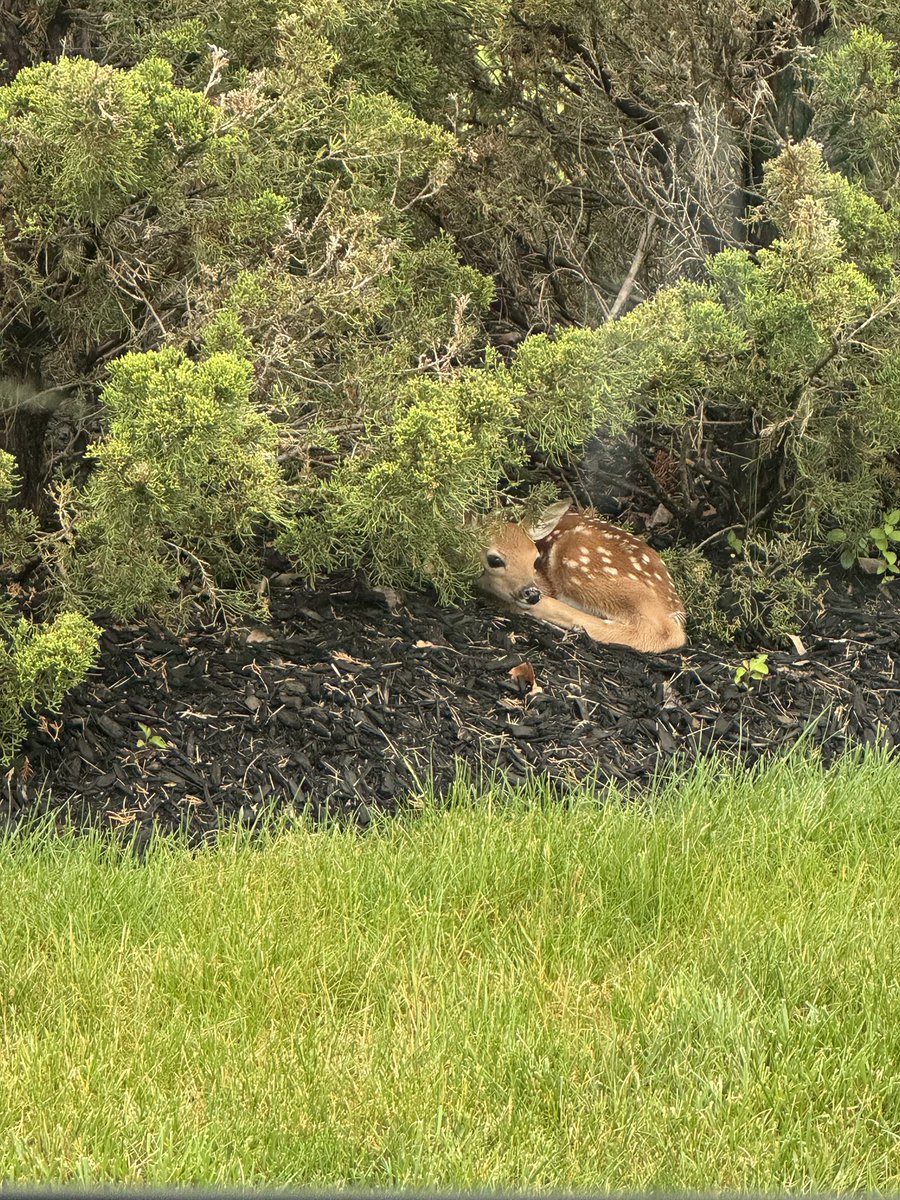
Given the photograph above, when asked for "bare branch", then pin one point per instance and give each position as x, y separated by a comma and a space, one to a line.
629, 281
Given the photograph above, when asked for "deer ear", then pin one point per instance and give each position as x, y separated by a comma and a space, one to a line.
548, 520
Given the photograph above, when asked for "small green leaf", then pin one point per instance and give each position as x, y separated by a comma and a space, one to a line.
848, 558
893, 517
835, 536
879, 537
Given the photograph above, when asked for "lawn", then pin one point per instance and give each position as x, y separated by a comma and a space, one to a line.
698, 991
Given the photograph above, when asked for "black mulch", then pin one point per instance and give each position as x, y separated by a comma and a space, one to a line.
342, 708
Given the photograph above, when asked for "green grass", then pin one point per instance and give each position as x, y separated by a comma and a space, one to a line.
699, 992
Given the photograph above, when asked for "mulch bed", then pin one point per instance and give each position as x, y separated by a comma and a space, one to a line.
342, 708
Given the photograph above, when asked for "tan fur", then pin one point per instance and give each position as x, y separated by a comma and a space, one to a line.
591, 576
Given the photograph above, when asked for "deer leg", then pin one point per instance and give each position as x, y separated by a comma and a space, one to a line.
638, 635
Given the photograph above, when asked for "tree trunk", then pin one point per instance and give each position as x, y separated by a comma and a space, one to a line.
23, 433
30, 34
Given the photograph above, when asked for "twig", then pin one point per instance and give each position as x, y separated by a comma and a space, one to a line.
628, 283
659, 492
719, 533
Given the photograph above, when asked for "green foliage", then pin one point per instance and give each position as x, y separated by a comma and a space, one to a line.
150, 739
431, 301
311, 214
770, 587
115, 184
9, 477
857, 108
752, 670
885, 536
876, 549
79, 141
400, 510
702, 588
869, 234
185, 476
180, 30
18, 527
766, 592
278, 229
568, 389
39, 664
794, 349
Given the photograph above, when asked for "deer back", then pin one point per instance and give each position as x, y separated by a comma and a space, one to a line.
604, 570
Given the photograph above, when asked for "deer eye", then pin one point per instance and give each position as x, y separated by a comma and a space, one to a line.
494, 560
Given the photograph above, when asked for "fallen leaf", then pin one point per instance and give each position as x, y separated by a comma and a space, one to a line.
660, 516
871, 566
256, 637
524, 674
389, 596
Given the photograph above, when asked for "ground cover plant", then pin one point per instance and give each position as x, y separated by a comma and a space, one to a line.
696, 991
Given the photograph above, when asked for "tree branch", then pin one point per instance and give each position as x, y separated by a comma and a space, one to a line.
629, 281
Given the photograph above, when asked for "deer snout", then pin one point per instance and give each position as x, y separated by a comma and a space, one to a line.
530, 594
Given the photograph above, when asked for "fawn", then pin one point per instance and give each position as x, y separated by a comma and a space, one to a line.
578, 572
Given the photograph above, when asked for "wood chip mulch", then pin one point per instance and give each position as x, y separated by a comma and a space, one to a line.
342, 709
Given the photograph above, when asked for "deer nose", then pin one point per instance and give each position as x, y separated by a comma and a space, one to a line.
530, 594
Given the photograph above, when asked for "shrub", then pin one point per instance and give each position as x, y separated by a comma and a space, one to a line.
272, 239
185, 477
39, 664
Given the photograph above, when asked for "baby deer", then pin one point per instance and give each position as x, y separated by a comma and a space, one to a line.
578, 572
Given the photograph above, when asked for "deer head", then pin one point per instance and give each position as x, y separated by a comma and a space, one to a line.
509, 559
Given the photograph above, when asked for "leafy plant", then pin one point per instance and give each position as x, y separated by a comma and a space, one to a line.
752, 670
874, 550
150, 738
39, 664
701, 586
275, 239
771, 587
184, 478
